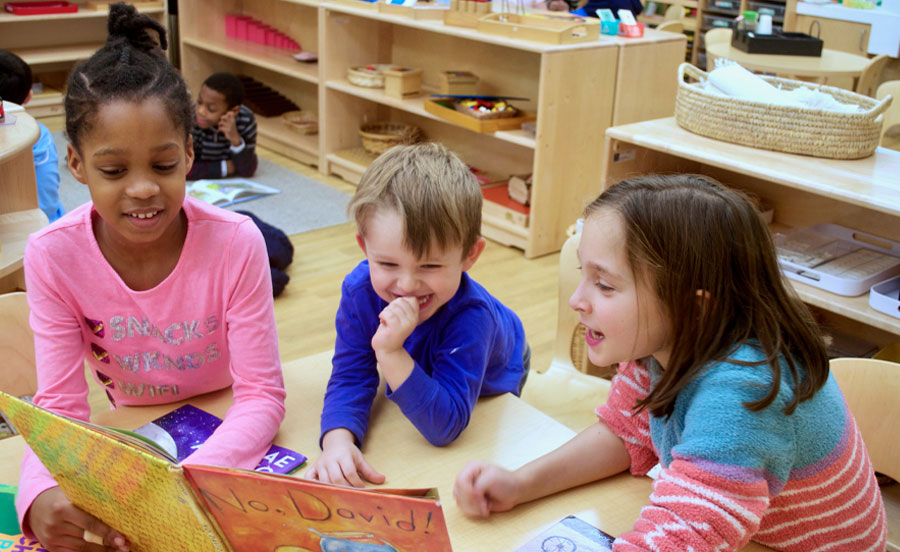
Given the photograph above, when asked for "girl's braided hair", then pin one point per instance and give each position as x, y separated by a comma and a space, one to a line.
131, 67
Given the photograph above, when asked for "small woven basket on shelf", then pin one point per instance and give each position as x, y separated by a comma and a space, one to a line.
807, 131
304, 122
369, 76
377, 138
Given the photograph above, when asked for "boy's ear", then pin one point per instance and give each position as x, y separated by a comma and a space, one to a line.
362, 243
234, 109
474, 253
76, 165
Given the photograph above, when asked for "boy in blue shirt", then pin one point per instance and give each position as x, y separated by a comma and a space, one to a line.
439, 338
15, 87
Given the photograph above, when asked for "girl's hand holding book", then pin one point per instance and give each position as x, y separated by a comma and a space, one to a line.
60, 526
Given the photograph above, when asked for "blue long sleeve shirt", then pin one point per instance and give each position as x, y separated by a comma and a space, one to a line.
472, 346
46, 174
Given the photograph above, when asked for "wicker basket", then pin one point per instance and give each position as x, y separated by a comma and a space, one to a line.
377, 138
369, 76
304, 122
807, 131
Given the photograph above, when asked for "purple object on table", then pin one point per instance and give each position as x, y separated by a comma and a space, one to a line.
183, 430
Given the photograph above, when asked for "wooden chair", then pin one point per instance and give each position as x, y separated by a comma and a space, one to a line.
671, 26
18, 376
871, 388
892, 115
564, 391
870, 77
715, 36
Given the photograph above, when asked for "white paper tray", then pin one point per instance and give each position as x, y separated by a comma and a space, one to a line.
885, 297
836, 284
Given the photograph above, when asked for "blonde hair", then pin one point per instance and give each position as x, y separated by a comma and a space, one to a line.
687, 232
432, 190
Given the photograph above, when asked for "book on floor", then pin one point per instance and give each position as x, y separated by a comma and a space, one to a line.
228, 191
161, 505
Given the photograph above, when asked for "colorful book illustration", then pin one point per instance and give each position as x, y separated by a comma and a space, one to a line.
183, 430
159, 505
570, 534
19, 543
228, 191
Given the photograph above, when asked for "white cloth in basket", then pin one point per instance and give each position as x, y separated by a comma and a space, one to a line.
730, 79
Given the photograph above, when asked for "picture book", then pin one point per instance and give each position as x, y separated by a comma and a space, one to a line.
160, 505
19, 543
570, 534
183, 430
228, 191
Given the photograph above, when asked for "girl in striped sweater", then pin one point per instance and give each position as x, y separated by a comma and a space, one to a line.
723, 381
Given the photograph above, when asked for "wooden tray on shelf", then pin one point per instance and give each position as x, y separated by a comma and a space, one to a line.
104, 5
422, 10
552, 29
482, 126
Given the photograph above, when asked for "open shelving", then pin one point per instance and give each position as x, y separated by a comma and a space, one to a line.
52, 43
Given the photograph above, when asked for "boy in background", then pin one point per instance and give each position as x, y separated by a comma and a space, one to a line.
224, 132
439, 339
15, 87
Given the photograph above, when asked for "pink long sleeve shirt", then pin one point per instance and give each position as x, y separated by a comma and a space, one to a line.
208, 325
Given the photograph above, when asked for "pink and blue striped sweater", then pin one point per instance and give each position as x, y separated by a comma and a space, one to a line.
793, 483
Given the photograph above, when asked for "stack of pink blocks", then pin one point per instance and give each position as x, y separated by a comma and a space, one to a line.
245, 27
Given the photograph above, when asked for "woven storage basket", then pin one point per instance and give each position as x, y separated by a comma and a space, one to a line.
370, 78
377, 138
304, 122
807, 131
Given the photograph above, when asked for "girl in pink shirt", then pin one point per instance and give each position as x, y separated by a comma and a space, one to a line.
165, 297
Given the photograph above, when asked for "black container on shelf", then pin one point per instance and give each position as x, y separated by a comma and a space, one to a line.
777, 43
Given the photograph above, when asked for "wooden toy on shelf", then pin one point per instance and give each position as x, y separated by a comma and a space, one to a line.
465, 13
415, 9
447, 108
245, 27
550, 28
264, 101
457, 83
402, 82
520, 188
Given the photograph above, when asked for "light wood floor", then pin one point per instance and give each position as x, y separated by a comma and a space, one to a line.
304, 313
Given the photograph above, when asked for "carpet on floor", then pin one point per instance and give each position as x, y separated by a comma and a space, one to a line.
304, 203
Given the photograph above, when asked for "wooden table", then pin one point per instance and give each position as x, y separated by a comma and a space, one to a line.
19, 213
832, 65
502, 429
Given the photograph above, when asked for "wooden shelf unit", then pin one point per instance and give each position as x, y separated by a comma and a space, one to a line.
804, 191
576, 90
51, 44
205, 50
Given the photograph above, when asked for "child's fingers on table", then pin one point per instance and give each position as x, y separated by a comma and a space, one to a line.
370, 474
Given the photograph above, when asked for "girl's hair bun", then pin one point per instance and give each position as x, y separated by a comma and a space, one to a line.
126, 23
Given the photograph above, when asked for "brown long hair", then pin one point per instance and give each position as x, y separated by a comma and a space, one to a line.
686, 233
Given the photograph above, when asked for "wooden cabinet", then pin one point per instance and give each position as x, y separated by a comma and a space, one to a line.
51, 44
577, 91
860, 194
846, 36
19, 212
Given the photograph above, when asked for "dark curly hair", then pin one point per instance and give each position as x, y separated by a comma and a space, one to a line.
132, 67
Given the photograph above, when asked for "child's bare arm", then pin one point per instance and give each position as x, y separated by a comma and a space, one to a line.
341, 462
60, 525
595, 453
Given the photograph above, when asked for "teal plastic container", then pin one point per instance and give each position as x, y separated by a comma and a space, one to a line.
9, 521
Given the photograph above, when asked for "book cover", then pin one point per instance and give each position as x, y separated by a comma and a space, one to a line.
228, 191
183, 430
126, 484
19, 543
570, 534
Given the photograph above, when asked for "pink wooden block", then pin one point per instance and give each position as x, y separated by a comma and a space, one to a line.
255, 33
293, 45
271, 35
230, 25
240, 27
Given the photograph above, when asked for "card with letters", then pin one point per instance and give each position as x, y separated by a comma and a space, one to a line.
570, 534
183, 430
161, 505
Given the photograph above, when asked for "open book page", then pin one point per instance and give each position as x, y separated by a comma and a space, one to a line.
280, 513
139, 494
228, 191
